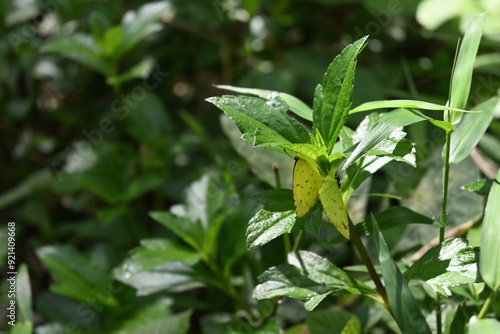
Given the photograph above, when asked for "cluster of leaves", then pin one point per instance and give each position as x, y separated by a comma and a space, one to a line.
378, 140
93, 165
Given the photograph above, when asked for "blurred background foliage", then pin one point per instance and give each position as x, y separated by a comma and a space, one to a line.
103, 121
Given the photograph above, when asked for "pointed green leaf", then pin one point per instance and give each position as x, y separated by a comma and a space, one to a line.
23, 289
262, 122
81, 48
296, 106
139, 24
139, 71
393, 217
481, 187
404, 306
267, 225
435, 261
470, 130
191, 232
171, 324
408, 104
99, 23
332, 100
74, 274
155, 252
309, 278
462, 74
490, 242
275, 199
461, 270
171, 276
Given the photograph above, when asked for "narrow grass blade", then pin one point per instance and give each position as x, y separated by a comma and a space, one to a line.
404, 306
489, 259
462, 75
296, 106
386, 125
471, 129
394, 104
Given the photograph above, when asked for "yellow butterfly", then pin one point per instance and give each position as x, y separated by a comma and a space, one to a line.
333, 204
306, 184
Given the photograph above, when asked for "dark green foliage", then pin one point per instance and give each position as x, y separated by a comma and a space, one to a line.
138, 207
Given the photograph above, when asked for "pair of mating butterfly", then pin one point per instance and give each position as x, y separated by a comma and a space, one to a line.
308, 185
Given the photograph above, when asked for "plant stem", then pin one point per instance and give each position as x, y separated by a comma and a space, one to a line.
369, 265
298, 241
286, 238
446, 174
486, 305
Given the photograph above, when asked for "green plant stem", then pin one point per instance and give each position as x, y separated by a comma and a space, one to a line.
369, 265
298, 241
446, 175
442, 221
486, 304
286, 238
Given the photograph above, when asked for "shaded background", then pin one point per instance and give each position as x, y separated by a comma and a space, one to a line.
96, 132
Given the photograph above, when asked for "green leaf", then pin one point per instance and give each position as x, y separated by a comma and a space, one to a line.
332, 99
404, 306
171, 277
461, 270
215, 324
23, 289
275, 199
254, 131
462, 73
455, 321
149, 123
190, 231
471, 129
30, 185
25, 327
138, 71
435, 261
81, 315
393, 217
107, 179
156, 252
143, 184
481, 187
172, 324
296, 106
333, 322
267, 225
407, 104
99, 24
110, 41
137, 25
490, 243
259, 160
81, 48
264, 116
74, 275
386, 125
309, 278
483, 326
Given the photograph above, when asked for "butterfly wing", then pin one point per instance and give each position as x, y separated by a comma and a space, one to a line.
333, 205
306, 184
